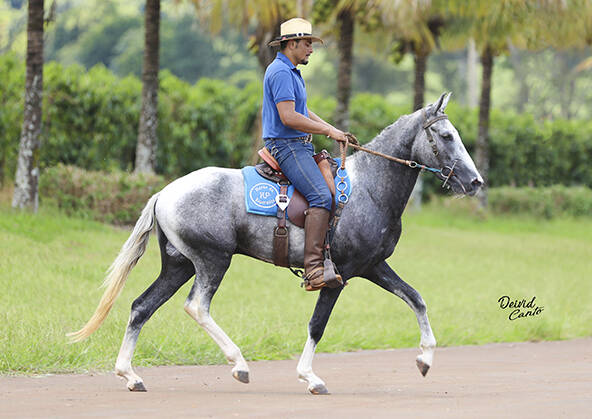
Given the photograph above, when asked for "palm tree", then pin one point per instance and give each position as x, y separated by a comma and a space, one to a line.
524, 23
26, 194
342, 14
261, 19
147, 140
492, 25
345, 45
265, 16
570, 28
415, 26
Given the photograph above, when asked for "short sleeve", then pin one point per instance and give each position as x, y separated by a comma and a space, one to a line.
282, 87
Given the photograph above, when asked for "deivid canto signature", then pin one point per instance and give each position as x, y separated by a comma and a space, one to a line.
521, 308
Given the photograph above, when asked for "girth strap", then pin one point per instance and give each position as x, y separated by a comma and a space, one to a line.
280, 232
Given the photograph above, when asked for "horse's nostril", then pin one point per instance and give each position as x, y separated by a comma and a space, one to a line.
476, 182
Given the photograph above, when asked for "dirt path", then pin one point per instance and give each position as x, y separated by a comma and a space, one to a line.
522, 380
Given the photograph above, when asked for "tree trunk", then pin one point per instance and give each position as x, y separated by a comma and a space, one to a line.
483, 136
471, 74
421, 60
147, 140
26, 194
263, 36
256, 144
299, 8
520, 73
345, 44
265, 56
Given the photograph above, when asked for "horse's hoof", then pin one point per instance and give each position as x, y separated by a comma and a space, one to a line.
242, 376
423, 367
139, 386
318, 389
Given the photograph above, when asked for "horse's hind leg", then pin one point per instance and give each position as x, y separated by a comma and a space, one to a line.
176, 270
385, 277
197, 306
316, 327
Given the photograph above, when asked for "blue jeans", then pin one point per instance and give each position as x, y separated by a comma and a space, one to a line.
295, 160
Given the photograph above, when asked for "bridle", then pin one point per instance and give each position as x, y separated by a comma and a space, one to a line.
446, 171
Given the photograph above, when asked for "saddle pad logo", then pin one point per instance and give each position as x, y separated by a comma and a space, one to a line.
263, 194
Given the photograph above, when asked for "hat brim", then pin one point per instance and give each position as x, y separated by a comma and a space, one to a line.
276, 42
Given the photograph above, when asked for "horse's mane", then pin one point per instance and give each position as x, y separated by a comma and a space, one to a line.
387, 131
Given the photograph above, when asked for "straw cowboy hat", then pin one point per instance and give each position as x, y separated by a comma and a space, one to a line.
295, 28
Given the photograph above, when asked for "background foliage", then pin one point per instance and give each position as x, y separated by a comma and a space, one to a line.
91, 119
540, 82
115, 197
118, 197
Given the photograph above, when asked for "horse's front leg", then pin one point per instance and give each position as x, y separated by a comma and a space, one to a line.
385, 277
316, 327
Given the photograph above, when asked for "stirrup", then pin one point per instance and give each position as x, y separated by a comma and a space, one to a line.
327, 277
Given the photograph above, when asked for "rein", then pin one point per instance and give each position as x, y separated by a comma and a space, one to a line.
410, 163
446, 171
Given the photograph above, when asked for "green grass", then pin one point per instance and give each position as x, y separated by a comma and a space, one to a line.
51, 268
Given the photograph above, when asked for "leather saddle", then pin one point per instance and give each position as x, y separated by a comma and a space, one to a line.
270, 169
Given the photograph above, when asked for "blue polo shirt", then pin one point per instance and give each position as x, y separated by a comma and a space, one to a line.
282, 82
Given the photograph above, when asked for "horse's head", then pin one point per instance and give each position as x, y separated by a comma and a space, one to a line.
439, 145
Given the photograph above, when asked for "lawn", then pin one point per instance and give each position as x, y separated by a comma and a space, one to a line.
51, 268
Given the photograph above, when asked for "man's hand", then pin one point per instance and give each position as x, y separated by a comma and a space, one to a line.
352, 138
341, 136
336, 134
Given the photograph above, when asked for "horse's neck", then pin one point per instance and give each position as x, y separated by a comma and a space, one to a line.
389, 182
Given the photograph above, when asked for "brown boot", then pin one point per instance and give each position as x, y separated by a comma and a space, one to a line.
316, 225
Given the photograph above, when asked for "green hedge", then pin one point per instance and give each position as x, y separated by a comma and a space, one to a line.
91, 118
116, 197
546, 202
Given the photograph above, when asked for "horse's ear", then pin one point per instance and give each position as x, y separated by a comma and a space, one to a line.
445, 101
440, 105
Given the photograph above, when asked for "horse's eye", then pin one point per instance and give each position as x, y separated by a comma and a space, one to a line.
447, 137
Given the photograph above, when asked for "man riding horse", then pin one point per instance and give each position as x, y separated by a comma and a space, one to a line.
288, 125
202, 218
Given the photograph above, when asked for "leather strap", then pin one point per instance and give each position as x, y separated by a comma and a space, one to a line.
280, 234
320, 156
426, 126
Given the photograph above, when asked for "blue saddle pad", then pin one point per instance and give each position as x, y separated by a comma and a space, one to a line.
260, 193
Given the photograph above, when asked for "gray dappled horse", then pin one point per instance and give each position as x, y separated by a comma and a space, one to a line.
201, 221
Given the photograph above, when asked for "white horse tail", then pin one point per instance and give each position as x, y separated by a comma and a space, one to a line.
130, 253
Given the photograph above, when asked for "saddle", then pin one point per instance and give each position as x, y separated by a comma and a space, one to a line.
270, 169
297, 205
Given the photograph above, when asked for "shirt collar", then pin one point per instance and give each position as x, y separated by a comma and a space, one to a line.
286, 60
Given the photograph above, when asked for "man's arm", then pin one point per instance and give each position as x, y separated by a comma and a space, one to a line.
352, 138
312, 125
317, 118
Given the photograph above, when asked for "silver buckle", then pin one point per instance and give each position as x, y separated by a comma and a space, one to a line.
282, 201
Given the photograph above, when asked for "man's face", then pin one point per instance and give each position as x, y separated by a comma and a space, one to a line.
302, 50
